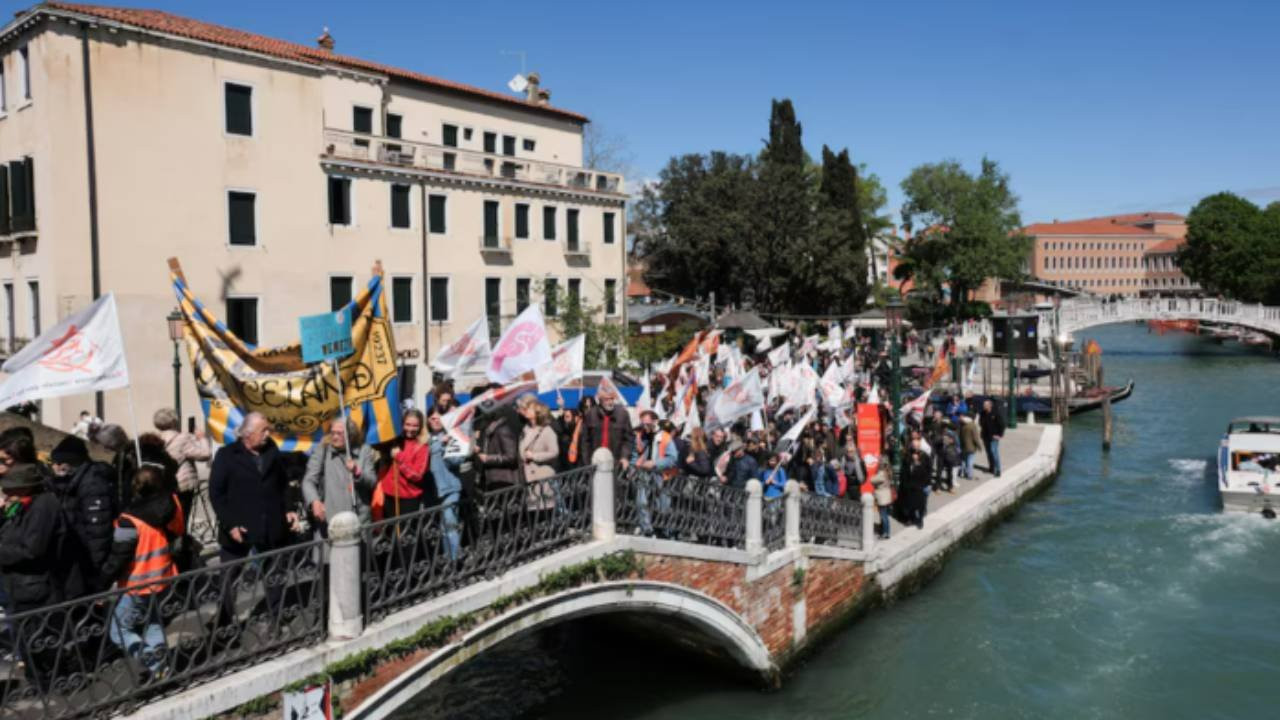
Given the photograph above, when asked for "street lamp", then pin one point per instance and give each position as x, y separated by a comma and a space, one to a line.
176, 324
893, 310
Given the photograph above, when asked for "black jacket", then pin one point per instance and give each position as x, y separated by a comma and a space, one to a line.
88, 500
243, 496
34, 555
155, 511
501, 447
620, 440
992, 424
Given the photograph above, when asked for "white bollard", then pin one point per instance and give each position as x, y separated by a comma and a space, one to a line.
868, 522
755, 516
603, 524
345, 619
793, 513
1031, 417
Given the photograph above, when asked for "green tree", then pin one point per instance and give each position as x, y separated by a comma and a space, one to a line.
605, 337
839, 277
1233, 248
969, 229
785, 215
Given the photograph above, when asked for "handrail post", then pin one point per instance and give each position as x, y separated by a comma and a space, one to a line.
755, 516
868, 522
345, 619
603, 523
793, 513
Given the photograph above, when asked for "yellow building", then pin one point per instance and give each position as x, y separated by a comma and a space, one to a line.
277, 172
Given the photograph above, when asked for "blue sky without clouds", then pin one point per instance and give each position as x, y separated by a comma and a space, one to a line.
1093, 108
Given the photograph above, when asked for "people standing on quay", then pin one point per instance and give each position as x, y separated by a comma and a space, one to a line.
913, 494
337, 481
970, 442
445, 472
247, 487
992, 431
882, 482
539, 450
186, 449
86, 491
403, 477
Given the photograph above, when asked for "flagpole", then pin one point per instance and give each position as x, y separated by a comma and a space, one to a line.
346, 437
133, 417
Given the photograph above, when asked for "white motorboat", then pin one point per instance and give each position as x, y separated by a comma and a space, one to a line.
1249, 466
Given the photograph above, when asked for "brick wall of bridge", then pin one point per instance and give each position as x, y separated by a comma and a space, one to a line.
829, 590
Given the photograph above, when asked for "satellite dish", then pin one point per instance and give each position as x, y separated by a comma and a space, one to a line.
518, 83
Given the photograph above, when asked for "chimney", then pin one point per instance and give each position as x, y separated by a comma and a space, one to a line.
535, 95
325, 40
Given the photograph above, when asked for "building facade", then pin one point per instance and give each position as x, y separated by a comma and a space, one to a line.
1113, 255
277, 173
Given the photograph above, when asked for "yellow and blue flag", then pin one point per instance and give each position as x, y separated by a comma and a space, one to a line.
235, 378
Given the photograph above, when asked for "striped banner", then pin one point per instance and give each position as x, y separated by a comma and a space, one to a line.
234, 378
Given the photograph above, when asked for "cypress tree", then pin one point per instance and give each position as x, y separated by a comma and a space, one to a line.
779, 261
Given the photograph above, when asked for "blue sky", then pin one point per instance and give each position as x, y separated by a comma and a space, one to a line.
1093, 108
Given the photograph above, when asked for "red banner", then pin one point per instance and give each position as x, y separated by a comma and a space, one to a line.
869, 436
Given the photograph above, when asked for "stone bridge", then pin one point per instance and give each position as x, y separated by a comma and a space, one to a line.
399, 604
1082, 313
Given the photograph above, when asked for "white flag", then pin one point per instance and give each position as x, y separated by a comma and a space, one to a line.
565, 366
780, 354
523, 347
518, 83
83, 353
692, 422
645, 401
834, 393
917, 405
468, 351
743, 397
458, 421
793, 434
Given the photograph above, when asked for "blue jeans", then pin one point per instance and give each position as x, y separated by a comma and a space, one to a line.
993, 455
820, 481
884, 521
136, 628
968, 464
452, 528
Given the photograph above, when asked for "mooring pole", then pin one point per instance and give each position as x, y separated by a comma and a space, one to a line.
1106, 421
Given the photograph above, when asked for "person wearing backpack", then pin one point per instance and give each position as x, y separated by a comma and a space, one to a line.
87, 492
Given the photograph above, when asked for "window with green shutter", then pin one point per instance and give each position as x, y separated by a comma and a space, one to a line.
548, 223
435, 213
449, 135
339, 201
402, 299
439, 299
400, 206
240, 214
608, 228
522, 221
491, 223
238, 104
549, 290
4, 199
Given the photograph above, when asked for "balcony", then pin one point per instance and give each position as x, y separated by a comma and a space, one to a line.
346, 145
577, 252
495, 250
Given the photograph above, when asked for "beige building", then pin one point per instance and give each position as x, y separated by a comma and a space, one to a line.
1116, 254
277, 173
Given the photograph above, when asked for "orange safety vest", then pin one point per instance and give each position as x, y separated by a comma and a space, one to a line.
663, 442
152, 559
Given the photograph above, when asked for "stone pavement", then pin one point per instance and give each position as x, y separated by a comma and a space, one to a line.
1018, 445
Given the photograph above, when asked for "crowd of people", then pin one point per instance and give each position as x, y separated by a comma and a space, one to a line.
73, 526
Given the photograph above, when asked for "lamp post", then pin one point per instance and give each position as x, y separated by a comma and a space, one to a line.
893, 321
176, 323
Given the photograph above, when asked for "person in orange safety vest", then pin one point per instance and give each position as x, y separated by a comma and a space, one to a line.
141, 559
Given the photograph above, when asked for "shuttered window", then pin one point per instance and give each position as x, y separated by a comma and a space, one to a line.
508, 145
522, 221
522, 294
493, 305
608, 228
400, 206
550, 288
436, 214
439, 299
449, 135
548, 223
240, 218
4, 199
242, 318
238, 100
610, 297
394, 125
22, 211
491, 222
491, 142
571, 219
402, 299
340, 287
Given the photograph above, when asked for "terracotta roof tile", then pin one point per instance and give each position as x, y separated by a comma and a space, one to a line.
1166, 246
1086, 227
159, 21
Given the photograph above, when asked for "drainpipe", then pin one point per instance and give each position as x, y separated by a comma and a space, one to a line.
426, 283
91, 164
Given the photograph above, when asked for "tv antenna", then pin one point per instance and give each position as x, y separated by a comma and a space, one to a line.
522, 55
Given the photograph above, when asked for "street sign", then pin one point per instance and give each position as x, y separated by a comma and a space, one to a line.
326, 336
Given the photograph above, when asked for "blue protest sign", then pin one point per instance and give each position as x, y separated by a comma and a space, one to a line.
326, 336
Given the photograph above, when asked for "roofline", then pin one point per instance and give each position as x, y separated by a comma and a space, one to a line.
1089, 234
319, 64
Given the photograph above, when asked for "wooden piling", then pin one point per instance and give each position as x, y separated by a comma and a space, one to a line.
1106, 422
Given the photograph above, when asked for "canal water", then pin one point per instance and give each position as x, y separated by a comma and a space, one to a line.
1120, 592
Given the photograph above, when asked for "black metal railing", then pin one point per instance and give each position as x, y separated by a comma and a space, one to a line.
830, 521
437, 550
110, 653
774, 520
682, 508
202, 524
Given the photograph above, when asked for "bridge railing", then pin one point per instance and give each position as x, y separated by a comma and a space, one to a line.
434, 551
110, 653
831, 521
685, 508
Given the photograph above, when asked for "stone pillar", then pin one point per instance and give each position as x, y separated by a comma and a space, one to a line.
755, 516
793, 513
345, 619
868, 522
603, 526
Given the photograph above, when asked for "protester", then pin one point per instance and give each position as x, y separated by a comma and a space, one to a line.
337, 481
186, 449
607, 425
970, 441
247, 487
140, 556
742, 466
992, 431
773, 477
445, 476
913, 494
36, 563
539, 449
882, 482
852, 467
403, 477
498, 449
697, 458
86, 491
86, 426
17, 446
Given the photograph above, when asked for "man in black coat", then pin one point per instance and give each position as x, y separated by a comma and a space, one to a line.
498, 449
34, 542
247, 487
86, 490
992, 425
607, 424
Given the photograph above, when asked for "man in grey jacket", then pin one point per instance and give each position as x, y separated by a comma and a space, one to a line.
337, 483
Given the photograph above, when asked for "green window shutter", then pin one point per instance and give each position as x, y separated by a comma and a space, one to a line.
522, 221
4, 200
240, 209
436, 213
238, 101
491, 221
400, 206
402, 299
394, 125
608, 228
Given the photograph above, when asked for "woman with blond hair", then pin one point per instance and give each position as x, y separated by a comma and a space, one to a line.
539, 451
697, 461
